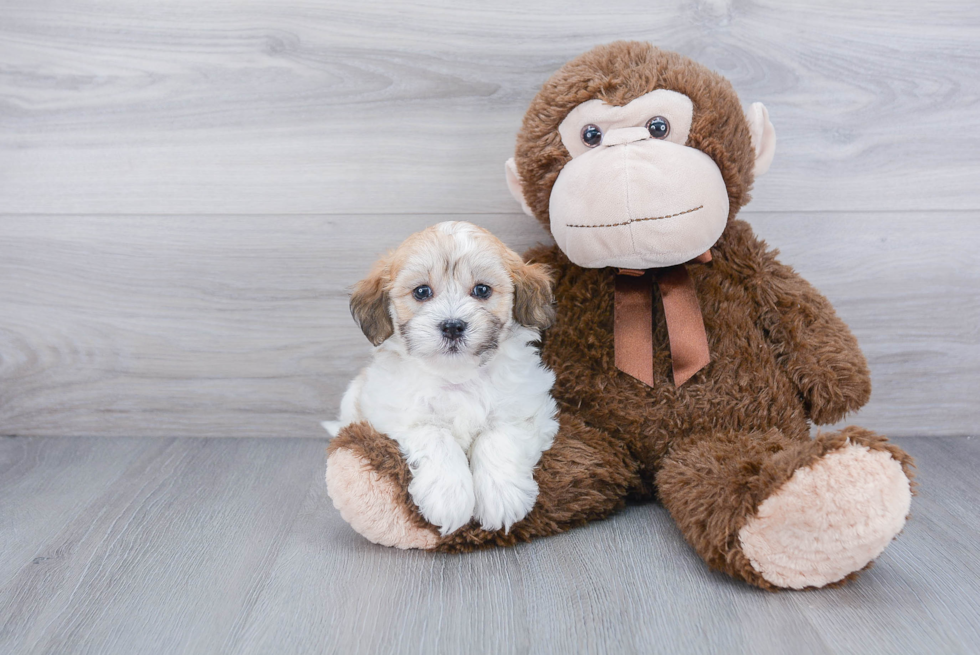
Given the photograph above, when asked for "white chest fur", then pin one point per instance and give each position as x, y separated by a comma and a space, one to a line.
400, 393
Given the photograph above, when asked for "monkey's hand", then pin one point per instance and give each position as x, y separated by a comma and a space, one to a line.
813, 345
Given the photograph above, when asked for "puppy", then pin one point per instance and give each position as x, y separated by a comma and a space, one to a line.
456, 379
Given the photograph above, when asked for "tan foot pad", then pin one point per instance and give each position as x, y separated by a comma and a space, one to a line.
828, 520
371, 504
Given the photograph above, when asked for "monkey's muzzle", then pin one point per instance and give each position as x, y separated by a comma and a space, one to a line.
640, 204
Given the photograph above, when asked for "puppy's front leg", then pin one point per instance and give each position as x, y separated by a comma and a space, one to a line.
502, 462
442, 485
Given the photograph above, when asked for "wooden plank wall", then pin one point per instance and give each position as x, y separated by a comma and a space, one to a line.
188, 188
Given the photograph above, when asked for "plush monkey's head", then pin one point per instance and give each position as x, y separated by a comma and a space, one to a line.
637, 157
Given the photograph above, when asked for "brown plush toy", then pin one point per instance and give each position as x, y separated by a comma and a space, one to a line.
690, 363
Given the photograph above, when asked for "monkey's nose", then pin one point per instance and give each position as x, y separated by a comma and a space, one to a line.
453, 328
623, 135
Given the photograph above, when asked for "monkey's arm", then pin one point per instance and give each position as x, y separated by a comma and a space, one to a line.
812, 344
586, 475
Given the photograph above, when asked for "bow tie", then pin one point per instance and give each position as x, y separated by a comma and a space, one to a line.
633, 322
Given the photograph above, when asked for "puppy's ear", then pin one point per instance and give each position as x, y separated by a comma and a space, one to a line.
533, 300
369, 304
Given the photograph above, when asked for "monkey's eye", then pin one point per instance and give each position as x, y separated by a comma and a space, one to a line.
659, 127
481, 291
591, 135
422, 293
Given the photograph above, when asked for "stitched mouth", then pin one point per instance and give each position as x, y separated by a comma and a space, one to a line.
638, 220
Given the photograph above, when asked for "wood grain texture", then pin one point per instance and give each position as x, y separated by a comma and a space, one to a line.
232, 546
238, 326
273, 107
188, 188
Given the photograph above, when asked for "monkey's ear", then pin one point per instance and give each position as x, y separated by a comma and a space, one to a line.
763, 136
533, 301
515, 186
369, 304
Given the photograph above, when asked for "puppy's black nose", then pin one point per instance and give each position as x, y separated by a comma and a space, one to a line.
453, 328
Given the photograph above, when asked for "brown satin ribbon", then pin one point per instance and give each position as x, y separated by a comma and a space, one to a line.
633, 321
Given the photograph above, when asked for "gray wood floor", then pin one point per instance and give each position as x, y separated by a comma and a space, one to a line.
188, 188
156, 545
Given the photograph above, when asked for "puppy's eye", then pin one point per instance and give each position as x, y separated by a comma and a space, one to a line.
659, 127
422, 293
591, 135
482, 291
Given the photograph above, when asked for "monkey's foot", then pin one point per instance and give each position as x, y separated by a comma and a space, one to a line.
367, 481
830, 519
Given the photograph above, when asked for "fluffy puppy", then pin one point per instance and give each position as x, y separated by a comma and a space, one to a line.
456, 378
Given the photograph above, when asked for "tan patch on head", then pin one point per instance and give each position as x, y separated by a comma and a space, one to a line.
452, 257
829, 519
370, 503
451, 254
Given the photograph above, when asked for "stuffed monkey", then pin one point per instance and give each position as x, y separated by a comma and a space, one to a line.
690, 363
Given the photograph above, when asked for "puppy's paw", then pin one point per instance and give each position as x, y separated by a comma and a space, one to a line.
503, 500
444, 494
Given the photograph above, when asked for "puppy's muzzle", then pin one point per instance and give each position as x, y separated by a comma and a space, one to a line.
453, 329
